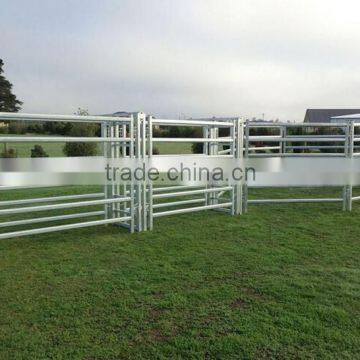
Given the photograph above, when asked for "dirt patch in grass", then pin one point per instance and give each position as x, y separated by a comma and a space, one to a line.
155, 314
239, 304
156, 335
253, 294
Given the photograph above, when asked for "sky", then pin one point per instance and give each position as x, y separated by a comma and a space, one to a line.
182, 58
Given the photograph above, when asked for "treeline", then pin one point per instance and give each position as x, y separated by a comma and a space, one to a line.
46, 128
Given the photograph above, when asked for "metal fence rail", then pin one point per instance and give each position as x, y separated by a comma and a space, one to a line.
136, 205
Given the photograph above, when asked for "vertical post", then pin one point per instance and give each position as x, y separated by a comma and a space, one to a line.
245, 198
233, 154
283, 133
150, 185
140, 186
205, 133
351, 138
105, 155
132, 140
241, 137
245, 152
132, 206
211, 198
247, 138
233, 137
144, 182
206, 144
143, 136
132, 188
124, 146
118, 207
347, 198
113, 146
239, 151
137, 184
349, 152
110, 187
150, 136
214, 132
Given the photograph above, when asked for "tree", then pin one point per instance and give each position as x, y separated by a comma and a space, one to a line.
8, 101
197, 148
81, 130
38, 151
8, 152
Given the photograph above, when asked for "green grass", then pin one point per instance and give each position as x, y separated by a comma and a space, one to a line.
174, 148
281, 281
24, 149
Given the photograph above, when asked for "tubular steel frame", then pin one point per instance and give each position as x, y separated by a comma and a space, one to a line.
136, 205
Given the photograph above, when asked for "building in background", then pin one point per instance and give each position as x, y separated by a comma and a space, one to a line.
325, 115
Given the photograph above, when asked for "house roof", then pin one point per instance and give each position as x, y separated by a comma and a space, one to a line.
350, 117
325, 115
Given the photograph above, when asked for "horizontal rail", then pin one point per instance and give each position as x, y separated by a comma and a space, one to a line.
178, 203
313, 139
169, 122
191, 209
24, 187
224, 156
62, 118
298, 155
309, 147
294, 139
52, 218
273, 138
169, 188
264, 148
62, 227
355, 198
304, 147
62, 206
50, 199
192, 140
190, 192
267, 124
226, 151
53, 139
180, 187
317, 136
287, 201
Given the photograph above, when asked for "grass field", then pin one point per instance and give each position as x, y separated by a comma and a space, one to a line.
24, 149
56, 149
282, 281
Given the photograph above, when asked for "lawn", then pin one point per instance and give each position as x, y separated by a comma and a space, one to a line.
24, 149
282, 281
174, 148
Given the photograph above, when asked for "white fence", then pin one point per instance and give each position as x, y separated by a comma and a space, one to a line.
137, 204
